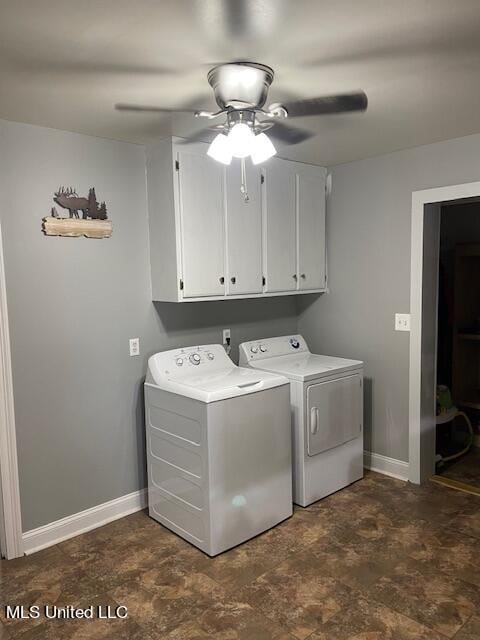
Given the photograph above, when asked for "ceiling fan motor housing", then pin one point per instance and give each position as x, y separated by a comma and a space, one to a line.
241, 116
240, 85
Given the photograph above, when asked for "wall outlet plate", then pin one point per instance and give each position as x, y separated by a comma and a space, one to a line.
402, 322
134, 344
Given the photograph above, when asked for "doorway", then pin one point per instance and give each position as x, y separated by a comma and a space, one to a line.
458, 353
424, 296
11, 545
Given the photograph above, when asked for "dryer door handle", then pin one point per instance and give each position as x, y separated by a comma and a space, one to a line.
314, 420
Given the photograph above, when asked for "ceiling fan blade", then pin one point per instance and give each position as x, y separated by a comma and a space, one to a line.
139, 107
287, 134
56, 65
325, 105
203, 135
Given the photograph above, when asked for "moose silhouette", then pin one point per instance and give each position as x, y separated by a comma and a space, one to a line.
69, 199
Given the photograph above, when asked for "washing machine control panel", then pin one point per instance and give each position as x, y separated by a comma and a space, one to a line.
180, 362
197, 356
271, 348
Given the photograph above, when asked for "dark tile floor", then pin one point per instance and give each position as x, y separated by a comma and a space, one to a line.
380, 559
465, 469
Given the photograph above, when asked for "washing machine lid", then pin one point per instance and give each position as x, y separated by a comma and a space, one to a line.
206, 373
306, 366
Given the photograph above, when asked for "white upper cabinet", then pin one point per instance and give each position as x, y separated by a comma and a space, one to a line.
201, 195
310, 188
244, 231
294, 226
280, 241
208, 243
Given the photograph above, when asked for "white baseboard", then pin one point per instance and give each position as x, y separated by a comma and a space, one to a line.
74, 525
84, 521
388, 466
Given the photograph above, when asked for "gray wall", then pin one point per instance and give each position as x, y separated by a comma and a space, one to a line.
73, 304
368, 240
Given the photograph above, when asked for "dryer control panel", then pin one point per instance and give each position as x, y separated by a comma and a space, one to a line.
272, 347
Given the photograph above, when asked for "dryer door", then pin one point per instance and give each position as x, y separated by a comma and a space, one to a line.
334, 413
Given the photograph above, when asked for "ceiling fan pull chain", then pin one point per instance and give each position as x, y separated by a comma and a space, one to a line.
243, 188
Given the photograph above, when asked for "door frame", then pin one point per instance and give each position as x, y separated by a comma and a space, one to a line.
423, 322
11, 525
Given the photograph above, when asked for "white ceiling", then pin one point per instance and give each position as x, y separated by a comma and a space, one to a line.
64, 63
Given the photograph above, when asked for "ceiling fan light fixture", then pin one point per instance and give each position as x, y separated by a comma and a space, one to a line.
262, 148
220, 149
241, 89
240, 139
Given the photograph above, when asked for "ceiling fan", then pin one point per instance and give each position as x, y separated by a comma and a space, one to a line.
241, 90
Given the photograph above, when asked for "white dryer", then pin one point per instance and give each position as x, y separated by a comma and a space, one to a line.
327, 413
218, 447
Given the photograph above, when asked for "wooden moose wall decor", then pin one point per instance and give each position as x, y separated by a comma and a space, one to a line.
94, 222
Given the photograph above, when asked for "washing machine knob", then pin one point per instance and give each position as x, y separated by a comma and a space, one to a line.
295, 343
254, 349
179, 362
195, 358
263, 348
210, 356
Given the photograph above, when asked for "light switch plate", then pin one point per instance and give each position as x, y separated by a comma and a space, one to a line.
402, 322
134, 344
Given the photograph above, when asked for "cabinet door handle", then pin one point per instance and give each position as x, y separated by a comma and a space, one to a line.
233, 279
303, 276
294, 277
222, 280
313, 420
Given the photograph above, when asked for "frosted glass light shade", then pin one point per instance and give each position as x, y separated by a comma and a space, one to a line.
240, 143
240, 140
261, 148
219, 150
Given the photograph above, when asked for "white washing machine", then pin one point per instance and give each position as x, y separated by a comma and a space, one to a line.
327, 413
218, 447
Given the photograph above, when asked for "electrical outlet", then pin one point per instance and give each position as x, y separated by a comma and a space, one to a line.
134, 346
402, 322
226, 335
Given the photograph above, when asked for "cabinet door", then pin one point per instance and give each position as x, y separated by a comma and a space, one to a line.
334, 413
244, 231
201, 190
279, 226
311, 226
